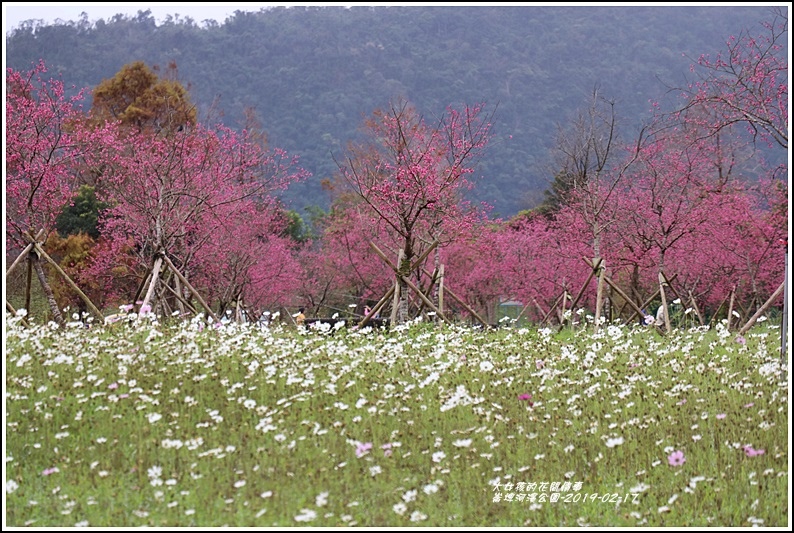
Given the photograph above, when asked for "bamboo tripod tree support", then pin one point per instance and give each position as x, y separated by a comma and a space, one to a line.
375, 310
744, 329
34, 245
600, 270
596, 268
37, 248
548, 314
457, 298
616, 289
10, 309
408, 282
192, 290
153, 278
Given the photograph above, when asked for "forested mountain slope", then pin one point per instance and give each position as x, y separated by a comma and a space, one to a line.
312, 73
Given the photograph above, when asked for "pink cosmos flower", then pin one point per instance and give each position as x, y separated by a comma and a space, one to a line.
741, 340
146, 309
363, 448
676, 458
749, 451
525, 398
748, 405
386, 449
721, 416
48, 471
126, 307
113, 386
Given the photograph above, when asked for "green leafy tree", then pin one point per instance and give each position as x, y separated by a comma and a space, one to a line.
81, 215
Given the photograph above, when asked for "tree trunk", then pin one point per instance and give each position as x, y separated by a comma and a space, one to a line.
665, 314
402, 306
730, 309
599, 291
28, 283
153, 283
395, 303
436, 295
441, 288
45, 286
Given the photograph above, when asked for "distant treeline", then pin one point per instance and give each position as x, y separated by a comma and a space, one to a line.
312, 73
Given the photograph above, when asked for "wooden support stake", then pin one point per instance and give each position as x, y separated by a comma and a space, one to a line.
143, 283
551, 309
187, 284
29, 284
424, 255
424, 298
523, 310
374, 311
696, 308
761, 309
395, 302
181, 300
617, 290
441, 287
22, 255
69, 281
602, 271
730, 309
465, 305
13, 311
593, 270
158, 263
665, 314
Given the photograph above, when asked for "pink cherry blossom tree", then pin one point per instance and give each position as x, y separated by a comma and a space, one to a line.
175, 194
44, 142
412, 176
249, 264
745, 85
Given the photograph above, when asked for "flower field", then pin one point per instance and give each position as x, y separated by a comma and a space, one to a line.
152, 423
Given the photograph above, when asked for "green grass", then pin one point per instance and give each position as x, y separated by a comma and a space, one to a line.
181, 424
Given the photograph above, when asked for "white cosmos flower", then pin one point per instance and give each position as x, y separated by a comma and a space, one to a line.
11, 486
306, 515
462, 443
430, 488
616, 441
438, 456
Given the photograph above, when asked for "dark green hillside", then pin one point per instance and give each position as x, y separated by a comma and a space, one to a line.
313, 73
